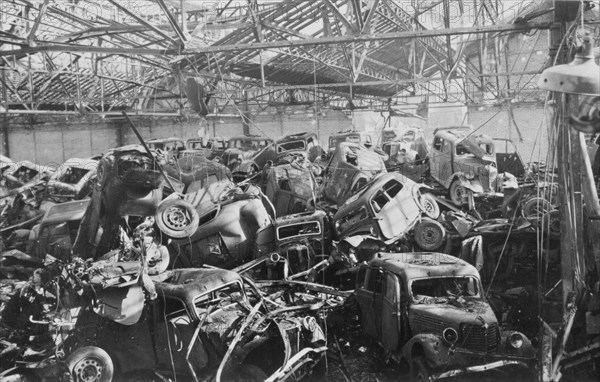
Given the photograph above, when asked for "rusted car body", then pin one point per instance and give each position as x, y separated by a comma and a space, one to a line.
508, 158
72, 180
305, 144
129, 184
57, 230
429, 309
387, 208
351, 166
411, 140
211, 148
361, 137
172, 147
459, 156
229, 220
25, 172
192, 173
289, 187
247, 154
204, 324
294, 243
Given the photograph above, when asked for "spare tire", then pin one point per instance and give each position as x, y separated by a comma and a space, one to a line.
177, 218
429, 234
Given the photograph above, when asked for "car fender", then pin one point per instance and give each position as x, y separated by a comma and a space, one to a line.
431, 346
470, 184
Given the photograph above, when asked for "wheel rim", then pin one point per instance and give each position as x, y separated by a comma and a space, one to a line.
176, 218
431, 235
428, 207
88, 370
457, 193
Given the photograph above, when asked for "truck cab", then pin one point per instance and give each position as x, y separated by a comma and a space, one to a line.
429, 309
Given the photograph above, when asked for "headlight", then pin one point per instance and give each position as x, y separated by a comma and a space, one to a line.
470, 175
515, 340
450, 335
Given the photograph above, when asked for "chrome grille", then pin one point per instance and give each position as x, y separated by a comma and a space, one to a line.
479, 338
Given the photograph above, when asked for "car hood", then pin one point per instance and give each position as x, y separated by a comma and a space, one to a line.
439, 315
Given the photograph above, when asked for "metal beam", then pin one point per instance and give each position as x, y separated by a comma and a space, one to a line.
172, 20
142, 21
37, 21
284, 43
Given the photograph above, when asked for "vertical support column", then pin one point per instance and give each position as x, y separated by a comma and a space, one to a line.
245, 112
4, 147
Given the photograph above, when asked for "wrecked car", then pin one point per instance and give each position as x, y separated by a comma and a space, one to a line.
460, 160
386, 209
203, 323
290, 187
191, 173
212, 148
294, 243
171, 147
73, 180
351, 166
57, 230
360, 137
25, 172
229, 218
429, 309
129, 183
246, 155
306, 144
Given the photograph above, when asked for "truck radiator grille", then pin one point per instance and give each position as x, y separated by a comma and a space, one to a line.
479, 338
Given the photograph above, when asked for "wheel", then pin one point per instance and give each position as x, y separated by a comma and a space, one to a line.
177, 218
419, 372
536, 208
551, 222
429, 234
430, 206
90, 364
456, 193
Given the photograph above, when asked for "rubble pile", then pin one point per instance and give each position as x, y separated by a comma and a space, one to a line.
277, 261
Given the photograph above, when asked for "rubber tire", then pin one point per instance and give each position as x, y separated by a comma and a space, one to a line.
429, 234
419, 372
181, 206
88, 353
531, 210
430, 206
455, 193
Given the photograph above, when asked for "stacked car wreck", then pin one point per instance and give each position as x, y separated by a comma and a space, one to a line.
165, 263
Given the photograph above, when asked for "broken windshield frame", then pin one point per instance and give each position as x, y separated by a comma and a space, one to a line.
425, 289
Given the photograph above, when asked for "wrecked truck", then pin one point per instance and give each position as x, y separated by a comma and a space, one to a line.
429, 309
461, 160
204, 324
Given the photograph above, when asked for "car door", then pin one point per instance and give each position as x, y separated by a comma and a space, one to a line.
508, 158
367, 295
391, 318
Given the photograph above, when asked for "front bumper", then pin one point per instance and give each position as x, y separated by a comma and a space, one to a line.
478, 368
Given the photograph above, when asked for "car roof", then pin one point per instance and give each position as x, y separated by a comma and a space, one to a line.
162, 140
295, 137
412, 265
251, 137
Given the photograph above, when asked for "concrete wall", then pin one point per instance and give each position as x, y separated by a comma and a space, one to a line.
55, 139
